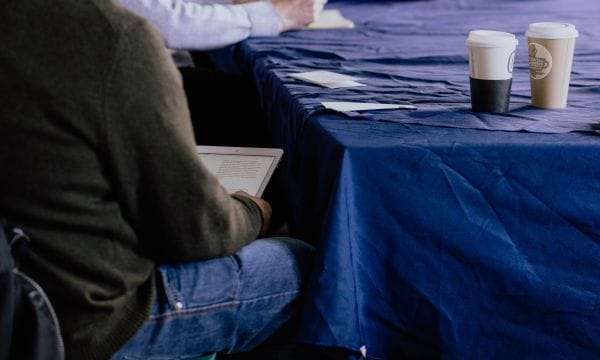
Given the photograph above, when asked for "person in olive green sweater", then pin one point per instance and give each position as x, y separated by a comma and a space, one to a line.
141, 251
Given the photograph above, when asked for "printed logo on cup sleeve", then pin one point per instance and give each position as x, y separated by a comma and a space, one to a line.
540, 61
511, 62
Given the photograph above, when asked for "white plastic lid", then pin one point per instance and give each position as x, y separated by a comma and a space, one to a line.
551, 30
490, 38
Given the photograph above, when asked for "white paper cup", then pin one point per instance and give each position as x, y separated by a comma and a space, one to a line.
491, 59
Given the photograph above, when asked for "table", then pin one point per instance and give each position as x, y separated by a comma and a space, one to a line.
441, 233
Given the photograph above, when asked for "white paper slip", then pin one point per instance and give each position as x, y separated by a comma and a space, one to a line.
342, 84
357, 106
322, 76
327, 79
331, 19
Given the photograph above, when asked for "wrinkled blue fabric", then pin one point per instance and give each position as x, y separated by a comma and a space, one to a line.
414, 53
442, 233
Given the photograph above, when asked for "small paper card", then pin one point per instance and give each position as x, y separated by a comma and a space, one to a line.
358, 106
327, 79
331, 19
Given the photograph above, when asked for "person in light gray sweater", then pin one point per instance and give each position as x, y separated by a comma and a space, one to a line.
211, 24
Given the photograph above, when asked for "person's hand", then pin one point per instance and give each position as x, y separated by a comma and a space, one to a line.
265, 209
295, 14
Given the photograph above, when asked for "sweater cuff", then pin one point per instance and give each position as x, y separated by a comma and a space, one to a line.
264, 18
253, 210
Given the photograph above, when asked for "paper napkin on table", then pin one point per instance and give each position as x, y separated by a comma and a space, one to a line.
360, 106
327, 79
331, 19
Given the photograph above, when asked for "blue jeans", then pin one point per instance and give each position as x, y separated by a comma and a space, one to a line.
229, 304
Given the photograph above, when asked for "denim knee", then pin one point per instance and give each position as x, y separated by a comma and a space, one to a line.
274, 265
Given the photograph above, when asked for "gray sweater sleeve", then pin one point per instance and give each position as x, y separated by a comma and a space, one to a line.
173, 202
190, 25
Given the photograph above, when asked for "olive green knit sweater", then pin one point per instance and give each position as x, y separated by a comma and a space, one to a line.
97, 164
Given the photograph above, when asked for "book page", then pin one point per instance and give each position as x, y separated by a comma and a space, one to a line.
239, 172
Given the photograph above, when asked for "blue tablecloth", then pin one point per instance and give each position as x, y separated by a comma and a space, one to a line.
441, 233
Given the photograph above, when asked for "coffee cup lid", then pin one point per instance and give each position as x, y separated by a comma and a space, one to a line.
551, 30
491, 39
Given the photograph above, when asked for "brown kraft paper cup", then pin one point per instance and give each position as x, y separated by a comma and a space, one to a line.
550, 62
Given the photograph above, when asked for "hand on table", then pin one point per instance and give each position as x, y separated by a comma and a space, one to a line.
295, 14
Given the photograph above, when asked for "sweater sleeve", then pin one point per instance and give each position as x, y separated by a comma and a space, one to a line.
189, 25
179, 210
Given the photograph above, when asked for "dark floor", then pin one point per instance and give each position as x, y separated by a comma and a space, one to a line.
294, 352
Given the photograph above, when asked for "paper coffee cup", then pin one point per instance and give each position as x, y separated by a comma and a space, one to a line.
491, 59
550, 48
